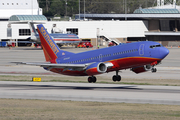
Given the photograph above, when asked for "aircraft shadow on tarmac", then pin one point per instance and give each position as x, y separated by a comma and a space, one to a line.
129, 88
40, 87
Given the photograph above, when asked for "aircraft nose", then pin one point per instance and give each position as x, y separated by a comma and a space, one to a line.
164, 52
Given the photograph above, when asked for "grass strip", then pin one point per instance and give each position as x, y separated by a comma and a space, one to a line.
74, 110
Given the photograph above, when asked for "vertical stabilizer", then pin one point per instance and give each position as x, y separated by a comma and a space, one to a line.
32, 28
50, 48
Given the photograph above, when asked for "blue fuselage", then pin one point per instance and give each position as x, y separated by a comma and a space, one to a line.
130, 50
122, 56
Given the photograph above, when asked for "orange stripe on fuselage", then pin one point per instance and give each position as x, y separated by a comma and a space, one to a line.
92, 71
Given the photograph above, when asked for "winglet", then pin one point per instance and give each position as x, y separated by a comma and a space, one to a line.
50, 48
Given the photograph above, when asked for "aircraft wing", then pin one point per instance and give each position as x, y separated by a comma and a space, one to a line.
50, 65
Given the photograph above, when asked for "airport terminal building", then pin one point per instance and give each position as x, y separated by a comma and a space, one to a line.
18, 7
161, 25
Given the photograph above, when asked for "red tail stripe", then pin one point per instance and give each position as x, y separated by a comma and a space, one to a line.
46, 47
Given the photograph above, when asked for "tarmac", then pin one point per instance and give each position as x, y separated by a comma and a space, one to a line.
91, 92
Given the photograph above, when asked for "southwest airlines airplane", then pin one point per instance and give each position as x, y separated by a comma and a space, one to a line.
138, 56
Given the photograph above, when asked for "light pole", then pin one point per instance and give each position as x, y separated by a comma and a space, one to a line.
125, 10
32, 9
79, 9
84, 9
66, 8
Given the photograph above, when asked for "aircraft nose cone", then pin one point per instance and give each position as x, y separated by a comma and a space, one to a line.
164, 52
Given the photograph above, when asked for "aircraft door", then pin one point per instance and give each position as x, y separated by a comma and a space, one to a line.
141, 50
100, 57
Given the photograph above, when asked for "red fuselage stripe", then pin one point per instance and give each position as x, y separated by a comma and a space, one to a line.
119, 64
66, 39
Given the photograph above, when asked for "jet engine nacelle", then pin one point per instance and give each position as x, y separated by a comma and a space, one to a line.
98, 68
141, 69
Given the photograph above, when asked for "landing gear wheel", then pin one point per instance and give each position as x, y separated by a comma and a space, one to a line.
92, 79
116, 78
154, 70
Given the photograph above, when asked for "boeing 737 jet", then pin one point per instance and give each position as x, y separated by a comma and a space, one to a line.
137, 56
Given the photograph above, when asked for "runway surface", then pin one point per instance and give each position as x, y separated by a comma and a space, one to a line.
91, 92
169, 69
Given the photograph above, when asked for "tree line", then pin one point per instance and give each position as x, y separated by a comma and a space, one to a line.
71, 7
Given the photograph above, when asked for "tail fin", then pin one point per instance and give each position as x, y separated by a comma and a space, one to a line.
32, 28
50, 48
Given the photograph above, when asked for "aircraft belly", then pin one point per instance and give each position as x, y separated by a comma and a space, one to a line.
118, 64
68, 72
145, 60
129, 62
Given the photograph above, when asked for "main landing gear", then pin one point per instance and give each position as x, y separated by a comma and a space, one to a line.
92, 79
116, 77
153, 70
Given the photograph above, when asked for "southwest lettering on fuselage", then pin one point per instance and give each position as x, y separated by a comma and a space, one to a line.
46, 36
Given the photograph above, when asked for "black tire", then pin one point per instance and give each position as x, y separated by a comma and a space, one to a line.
154, 70
114, 78
118, 78
94, 79
90, 79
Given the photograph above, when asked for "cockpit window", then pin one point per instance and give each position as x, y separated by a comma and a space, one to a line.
154, 46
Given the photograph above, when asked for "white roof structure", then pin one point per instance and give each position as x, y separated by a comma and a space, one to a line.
19, 7
26, 18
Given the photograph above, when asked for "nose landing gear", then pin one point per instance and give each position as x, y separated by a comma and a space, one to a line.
153, 70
